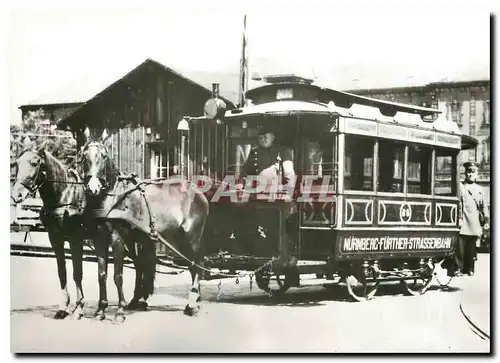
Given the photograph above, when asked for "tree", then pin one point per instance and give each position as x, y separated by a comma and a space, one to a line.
36, 128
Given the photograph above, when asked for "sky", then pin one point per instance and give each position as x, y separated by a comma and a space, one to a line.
51, 45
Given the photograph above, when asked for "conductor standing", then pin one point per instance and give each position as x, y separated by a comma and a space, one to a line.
475, 217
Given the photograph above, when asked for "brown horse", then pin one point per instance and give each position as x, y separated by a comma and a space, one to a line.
126, 209
63, 199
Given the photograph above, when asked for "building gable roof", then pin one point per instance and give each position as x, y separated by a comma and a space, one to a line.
90, 84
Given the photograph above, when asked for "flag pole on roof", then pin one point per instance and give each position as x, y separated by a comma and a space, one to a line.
243, 66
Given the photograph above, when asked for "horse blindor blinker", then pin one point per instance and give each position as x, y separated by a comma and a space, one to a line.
37, 181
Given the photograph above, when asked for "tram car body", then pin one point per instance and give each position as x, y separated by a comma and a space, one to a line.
375, 191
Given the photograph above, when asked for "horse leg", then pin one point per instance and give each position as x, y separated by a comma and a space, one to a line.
119, 254
76, 246
101, 250
193, 306
134, 304
147, 259
193, 235
57, 243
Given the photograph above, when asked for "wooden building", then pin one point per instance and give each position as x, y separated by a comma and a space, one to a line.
141, 111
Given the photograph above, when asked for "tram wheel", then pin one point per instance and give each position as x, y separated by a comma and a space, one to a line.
361, 290
419, 284
263, 280
441, 274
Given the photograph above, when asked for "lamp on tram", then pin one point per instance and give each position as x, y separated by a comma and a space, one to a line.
183, 125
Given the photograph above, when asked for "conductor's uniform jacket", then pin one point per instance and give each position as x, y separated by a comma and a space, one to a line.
471, 196
264, 162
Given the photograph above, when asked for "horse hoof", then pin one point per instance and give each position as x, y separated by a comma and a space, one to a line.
142, 306
100, 316
61, 314
119, 318
131, 305
77, 315
189, 311
137, 306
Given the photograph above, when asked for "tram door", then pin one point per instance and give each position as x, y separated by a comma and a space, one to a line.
318, 163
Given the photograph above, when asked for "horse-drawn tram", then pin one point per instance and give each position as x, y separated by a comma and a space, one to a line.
309, 185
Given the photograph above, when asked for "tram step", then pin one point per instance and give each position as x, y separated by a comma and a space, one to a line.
318, 282
307, 267
312, 280
310, 263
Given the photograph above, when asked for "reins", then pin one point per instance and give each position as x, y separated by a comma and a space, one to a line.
155, 236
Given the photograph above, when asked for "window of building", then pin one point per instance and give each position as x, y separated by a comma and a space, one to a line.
391, 166
358, 163
486, 113
485, 152
162, 163
445, 173
456, 112
419, 169
473, 106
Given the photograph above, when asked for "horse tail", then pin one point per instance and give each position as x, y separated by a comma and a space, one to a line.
147, 259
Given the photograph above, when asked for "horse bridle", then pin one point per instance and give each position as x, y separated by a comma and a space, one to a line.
36, 182
102, 174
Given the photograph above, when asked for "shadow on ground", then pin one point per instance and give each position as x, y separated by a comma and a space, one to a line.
230, 293
90, 309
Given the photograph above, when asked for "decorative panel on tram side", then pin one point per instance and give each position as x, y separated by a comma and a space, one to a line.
399, 188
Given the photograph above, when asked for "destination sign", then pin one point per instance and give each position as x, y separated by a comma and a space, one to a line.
422, 136
361, 127
374, 128
448, 140
393, 132
351, 244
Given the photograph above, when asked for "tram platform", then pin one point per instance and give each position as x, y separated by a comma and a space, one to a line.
475, 299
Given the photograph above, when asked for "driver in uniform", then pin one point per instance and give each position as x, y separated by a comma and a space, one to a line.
270, 160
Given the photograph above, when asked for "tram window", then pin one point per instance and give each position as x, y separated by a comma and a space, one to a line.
314, 157
241, 141
445, 176
419, 169
328, 162
391, 164
358, 163
239, 150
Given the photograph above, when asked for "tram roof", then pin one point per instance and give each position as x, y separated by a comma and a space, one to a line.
314, 100
288, 98
289, 107
340, 98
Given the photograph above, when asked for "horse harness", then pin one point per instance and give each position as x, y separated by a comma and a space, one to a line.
153, 233
57, 210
